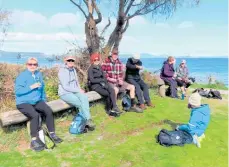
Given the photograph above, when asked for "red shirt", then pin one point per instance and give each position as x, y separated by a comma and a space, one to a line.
113, 69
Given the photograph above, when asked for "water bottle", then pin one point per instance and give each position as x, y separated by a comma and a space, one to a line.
182, 96
41, 135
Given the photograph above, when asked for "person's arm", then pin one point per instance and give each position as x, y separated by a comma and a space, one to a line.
43, 95
130, 66
179, 76
21, 88
92, 79
65, 82
121, 74
167, 72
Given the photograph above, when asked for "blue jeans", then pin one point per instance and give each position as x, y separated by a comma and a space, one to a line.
80, 101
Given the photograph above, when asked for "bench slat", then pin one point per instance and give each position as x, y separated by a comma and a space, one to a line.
15, 117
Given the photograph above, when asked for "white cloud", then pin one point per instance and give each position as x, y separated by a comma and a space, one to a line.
64, 20
30, 19
27, 18
60, 36
186, 24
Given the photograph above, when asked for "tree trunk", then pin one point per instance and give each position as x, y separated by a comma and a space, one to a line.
92, 37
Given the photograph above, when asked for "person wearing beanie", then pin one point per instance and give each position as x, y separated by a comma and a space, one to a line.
182, 78
70, 91
133, 67
199, 119
97, 82
114, 70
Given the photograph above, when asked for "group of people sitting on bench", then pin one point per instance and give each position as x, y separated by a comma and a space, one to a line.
107, 79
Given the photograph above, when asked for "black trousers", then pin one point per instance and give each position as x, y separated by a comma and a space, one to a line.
183, 83
109, 94
172, 87
33, 113
140, 86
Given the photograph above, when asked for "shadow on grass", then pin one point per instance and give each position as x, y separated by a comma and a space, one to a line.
171, 123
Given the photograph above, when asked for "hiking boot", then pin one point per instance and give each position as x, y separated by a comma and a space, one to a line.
142, 106
55, 138
135, 109
114, 113
196, 141
150, 104
90, 125
37, 145
117, 110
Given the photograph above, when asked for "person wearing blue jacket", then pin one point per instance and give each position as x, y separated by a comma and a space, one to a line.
30, 101
69, 90
199, 119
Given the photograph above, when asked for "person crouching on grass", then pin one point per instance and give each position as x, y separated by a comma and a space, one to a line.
30, 101
199, 119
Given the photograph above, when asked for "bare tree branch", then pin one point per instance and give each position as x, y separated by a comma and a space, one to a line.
126, 26
139, 11
129, 6
79, 8
97, 11
106, 27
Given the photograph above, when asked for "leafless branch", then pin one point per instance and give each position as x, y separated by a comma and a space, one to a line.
129, 6
106, 27
126, 26
80, 8
97, 11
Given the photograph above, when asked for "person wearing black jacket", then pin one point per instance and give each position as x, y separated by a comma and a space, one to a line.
98, 82
133, 67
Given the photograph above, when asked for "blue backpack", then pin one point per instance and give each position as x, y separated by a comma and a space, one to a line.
78, 125
126, 102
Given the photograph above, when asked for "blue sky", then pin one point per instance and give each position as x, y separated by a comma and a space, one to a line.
45, 26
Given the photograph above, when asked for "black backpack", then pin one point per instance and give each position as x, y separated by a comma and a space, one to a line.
177, 137
215, 94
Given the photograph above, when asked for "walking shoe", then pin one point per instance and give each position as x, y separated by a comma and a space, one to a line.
135, 109
55, 138
37, 145
150, 104
196, 141
117, 110
90, 125
142, 106
114, 113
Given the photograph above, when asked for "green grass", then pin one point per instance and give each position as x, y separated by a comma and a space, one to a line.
126, 141
218, 85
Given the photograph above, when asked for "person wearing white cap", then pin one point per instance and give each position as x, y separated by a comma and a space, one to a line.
182, 78
70, 91
133, 67
199, 118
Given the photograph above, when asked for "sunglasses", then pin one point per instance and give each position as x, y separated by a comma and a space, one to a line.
70, 60
30, 64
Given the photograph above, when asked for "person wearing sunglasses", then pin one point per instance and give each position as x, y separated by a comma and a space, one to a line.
114, 71
70, 91
182, 78
30, 101
97, 82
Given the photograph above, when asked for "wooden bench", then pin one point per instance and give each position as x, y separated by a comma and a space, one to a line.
15, 116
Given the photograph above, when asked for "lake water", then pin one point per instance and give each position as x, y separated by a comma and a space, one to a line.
200, 68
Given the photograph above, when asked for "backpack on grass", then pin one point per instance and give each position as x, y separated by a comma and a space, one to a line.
170, 138
78, 125
126, 102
